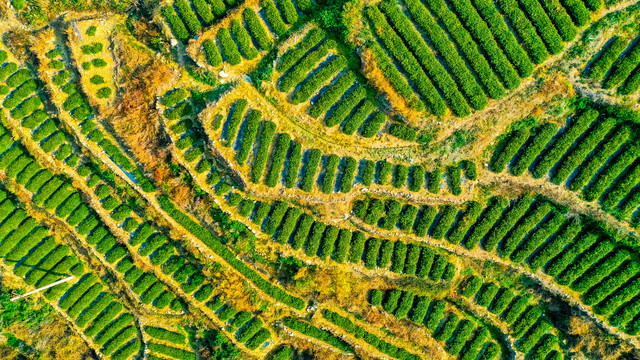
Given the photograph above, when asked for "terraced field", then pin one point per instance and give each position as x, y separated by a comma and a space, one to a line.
320, 179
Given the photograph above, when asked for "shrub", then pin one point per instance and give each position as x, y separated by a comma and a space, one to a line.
248, 331
36, 118
434, 179
299, 71
98, 62
275, 217
454, 177
332, 94
403, 132
295, 159
424, 220
229, 47
288, 225
76, 291
311, 85
10, 68
435, 70
546, 30
406, 303
234, 121
243, 39
487, 294
384, 172
408, 62
400, 174
171, 351
231, 258
273, 17
25, 108
328, 242
399, 257
104, 92
189, 17
623, 68
604, 151
368, 169
507, 221
371, 253
348, 174
343, 245
27, 88
294, 54
534, 146
438, 267
329, 177
372, 125
619, 297
471, 286
597, 273
289, 11
538, 237
407, 217
537, 212
560, 262
265, 138
283, 353
249, 135
314, 332
588, 258
17, 77
613, 282
559, 147
386, 252
311, 167
211, 52
612, 170
508, 149
515, 309
344, 108
446, 218
256, 29
357, 246
313, 242
469, 217
301, 232
258, 339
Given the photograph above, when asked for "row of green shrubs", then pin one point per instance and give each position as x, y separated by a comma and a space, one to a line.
431, 314
289, 225
529, 326
42, 261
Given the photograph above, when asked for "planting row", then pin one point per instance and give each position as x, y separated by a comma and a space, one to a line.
314, 71
227, 255
467, 36
187, 19
290, 225
40, 259
72, 100
373, 340
285, 161
534, 232
463, 338
527, 323
591, 154
616, 65
56, 194
187, 134
247, 36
